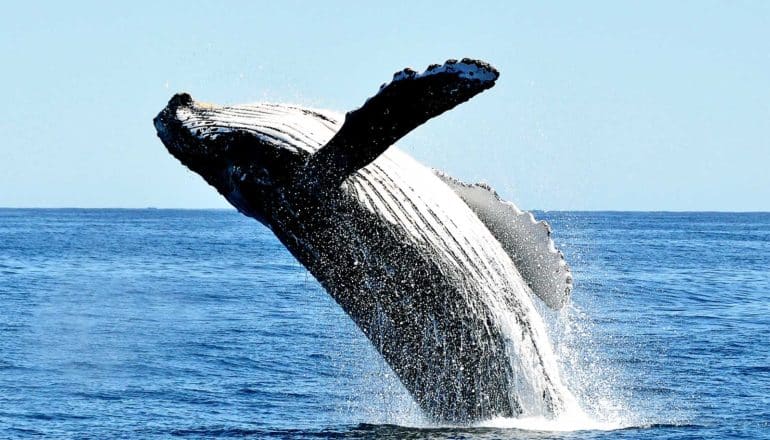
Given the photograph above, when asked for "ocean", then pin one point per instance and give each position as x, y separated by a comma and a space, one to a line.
199, 324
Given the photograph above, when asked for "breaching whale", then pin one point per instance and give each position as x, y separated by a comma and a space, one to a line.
441, 276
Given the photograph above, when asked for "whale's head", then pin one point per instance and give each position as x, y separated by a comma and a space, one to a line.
249, 153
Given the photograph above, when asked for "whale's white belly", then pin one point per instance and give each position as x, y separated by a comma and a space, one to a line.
412, 199
409, 195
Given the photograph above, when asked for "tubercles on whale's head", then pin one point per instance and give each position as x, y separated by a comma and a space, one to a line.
243, 163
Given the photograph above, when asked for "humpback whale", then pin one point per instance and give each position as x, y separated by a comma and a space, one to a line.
441, 276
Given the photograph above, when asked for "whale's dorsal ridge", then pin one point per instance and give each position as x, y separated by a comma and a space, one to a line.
527, 241
399, 107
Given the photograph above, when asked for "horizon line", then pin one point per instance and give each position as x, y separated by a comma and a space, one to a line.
153, 208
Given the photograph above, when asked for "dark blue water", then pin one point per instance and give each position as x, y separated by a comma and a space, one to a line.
155, 323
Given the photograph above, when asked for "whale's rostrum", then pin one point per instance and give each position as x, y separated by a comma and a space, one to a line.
441, 276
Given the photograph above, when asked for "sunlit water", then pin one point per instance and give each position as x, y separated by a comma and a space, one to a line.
154, 323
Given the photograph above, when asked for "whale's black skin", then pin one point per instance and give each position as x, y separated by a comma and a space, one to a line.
423, 309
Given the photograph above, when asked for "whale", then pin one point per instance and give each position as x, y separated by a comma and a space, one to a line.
445, 278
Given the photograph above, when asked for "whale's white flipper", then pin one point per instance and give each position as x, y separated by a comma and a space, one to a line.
527, 241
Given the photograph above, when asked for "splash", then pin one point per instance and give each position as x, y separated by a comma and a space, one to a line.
564, 423
586, 385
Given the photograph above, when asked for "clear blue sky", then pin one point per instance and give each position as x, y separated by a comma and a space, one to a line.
607, 105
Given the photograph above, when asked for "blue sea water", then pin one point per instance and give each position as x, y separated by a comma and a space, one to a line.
198, 324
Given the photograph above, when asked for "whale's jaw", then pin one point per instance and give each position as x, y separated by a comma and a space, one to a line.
244, 161
183, 143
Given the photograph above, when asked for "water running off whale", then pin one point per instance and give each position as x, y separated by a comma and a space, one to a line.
441, 276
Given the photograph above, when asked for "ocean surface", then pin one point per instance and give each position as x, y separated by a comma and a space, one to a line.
199, 324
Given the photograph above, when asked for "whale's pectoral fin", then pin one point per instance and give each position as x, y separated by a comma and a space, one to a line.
527, 241
398, 108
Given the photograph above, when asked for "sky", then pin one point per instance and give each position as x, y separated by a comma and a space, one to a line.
599, 106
